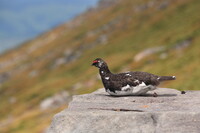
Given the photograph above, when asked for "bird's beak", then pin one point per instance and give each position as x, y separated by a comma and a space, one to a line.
93, 63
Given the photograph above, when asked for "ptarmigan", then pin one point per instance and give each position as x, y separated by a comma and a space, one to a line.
128, 83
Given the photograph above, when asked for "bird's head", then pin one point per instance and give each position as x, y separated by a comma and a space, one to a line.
99, 63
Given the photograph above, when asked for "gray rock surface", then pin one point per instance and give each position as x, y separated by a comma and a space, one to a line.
170, 112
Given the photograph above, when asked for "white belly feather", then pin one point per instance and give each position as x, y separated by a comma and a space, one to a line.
130, 90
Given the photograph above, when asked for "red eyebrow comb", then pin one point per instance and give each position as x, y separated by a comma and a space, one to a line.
95, 61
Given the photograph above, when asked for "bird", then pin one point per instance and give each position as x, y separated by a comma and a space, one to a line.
128, 83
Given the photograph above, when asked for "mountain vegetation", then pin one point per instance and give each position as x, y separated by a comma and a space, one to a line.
156, 36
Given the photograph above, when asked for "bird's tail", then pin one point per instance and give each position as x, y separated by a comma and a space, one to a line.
163, 78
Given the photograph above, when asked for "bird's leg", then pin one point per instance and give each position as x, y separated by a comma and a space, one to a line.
155, 94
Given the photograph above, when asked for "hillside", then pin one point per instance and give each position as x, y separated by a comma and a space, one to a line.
22, 19
157, 36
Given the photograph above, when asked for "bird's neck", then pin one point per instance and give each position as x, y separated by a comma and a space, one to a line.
104, 71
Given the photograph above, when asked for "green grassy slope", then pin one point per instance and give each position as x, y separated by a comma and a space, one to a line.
117, 34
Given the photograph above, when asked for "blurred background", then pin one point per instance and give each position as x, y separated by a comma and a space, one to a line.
47, 47
21, 20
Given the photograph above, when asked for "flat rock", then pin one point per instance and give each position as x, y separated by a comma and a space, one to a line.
98, 112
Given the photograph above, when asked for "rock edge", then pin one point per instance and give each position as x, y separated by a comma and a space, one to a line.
170, 112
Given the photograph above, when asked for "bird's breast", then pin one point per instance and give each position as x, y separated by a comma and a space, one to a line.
132, 90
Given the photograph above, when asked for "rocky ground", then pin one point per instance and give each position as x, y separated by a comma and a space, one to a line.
171, 111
